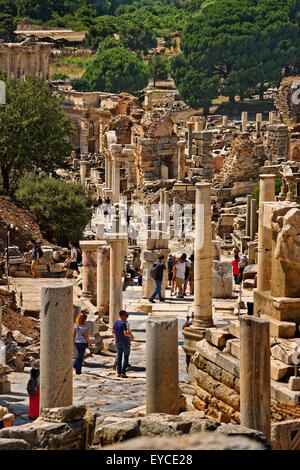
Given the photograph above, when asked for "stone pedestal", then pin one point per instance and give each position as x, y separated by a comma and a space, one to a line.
56, 356
202, 270
103, 279
162, 381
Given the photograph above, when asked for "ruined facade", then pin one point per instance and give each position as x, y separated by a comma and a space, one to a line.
19, 60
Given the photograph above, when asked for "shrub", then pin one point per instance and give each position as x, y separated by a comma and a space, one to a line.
62, 206
59, 76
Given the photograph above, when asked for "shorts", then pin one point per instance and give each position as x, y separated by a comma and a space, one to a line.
170, 276
179, 282
73, 266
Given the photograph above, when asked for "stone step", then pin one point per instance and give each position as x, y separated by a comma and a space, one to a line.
281, 329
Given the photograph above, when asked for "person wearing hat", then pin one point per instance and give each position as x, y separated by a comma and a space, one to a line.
33, 389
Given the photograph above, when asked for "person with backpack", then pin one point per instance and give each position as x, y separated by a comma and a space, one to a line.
81, 340
157, 272
37, 253
242, 265
73, 261
33, 390
235, 268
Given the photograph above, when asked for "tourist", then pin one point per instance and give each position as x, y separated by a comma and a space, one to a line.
187, 275
242, 264
175, 261
180, 275
72, 262
235, 268
123, 336
35, 258
192, 274
81, 341
157, 274
188, 322
33, 389
140, 277
170, 269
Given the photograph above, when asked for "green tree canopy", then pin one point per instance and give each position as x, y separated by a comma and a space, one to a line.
137, 36
236, 46
103, 27
116, 70
158, 68
33, 130
59, 204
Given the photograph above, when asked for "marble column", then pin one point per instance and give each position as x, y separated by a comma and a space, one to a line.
248, 215
190, 126
272, 116
116, 269
103, 279
89, 271
244, 121
116, 181
202, 270
264, 262
56, 355
258, 122
83, 166
253, 222
162, 376
181, 160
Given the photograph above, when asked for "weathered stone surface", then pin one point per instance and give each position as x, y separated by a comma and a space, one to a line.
158, 424
236, 430
63, 414
199, 441
74, 435
13, 444
222, 280
283, 353
118, 432
217, 337
286, 435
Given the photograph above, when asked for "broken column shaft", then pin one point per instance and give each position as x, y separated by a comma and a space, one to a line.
56, 372
162, 380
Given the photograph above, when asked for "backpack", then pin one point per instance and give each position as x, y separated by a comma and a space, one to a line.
79, 257
40, 252
243, 262
153, 271
31, 387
